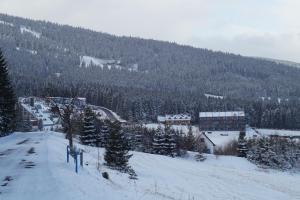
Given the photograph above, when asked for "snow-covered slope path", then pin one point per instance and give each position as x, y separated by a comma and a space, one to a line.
33, 166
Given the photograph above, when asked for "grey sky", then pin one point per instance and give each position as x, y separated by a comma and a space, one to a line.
264, 28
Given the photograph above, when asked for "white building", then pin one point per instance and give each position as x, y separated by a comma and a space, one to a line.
178, 119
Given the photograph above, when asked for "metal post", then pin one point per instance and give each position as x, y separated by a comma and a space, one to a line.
68, 153
76, 163
81, 158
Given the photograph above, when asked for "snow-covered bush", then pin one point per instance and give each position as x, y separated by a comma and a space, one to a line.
275, 152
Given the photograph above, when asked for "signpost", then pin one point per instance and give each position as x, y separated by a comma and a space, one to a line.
75, 154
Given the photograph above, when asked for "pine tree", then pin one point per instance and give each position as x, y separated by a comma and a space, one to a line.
189, 140
169, 142
103, 134
66, 114
158, 141
116, 154
242, 145
7, 100
88, 135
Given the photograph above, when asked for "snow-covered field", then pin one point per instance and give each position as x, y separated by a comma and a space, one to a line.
87, 61
48, 176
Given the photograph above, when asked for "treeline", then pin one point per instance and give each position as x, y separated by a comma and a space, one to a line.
139, 105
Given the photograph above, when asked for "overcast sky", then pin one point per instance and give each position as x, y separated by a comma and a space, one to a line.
264, 28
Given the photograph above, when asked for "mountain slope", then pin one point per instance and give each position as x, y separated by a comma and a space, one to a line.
160, 177
140, 79
37, 48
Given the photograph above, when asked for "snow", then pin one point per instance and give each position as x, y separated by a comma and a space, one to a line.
87, 61
221, 138
57, 74
213, 96
222, 114
159, 177
183, 128
117, 117
24, 29
134, 68
33, 52
100, 114
6, 23
268, 132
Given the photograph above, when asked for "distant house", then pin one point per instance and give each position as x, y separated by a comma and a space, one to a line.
222, 121
179, 119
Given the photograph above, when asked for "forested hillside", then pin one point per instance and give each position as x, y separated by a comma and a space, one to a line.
141, 78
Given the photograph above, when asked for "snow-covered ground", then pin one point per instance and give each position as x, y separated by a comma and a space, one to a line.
221, 138
24, 29
48, 176
267, 132
213, 96
87, 61
6, 23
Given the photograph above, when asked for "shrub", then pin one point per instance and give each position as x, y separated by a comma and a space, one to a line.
105, 175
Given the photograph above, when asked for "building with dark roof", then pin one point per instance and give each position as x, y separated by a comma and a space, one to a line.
222, 121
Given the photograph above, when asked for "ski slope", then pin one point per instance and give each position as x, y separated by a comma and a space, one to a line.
49, 177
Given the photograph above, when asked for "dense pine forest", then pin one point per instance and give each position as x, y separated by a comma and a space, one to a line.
140, 79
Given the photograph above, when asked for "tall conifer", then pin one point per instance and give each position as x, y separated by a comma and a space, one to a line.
7, 100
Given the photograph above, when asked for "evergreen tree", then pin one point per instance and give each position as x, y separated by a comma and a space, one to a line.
66, 115
242, 145
88, 135
158, 141
189, 140
7, 100
116, 154
274, 152
103, 134
169, 142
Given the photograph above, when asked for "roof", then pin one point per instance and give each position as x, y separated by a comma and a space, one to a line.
178, 117
208, 139
161, 118
221, 138
223, 114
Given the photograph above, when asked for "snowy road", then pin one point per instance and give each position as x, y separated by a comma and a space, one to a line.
25, 160
33, 167
109, 114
